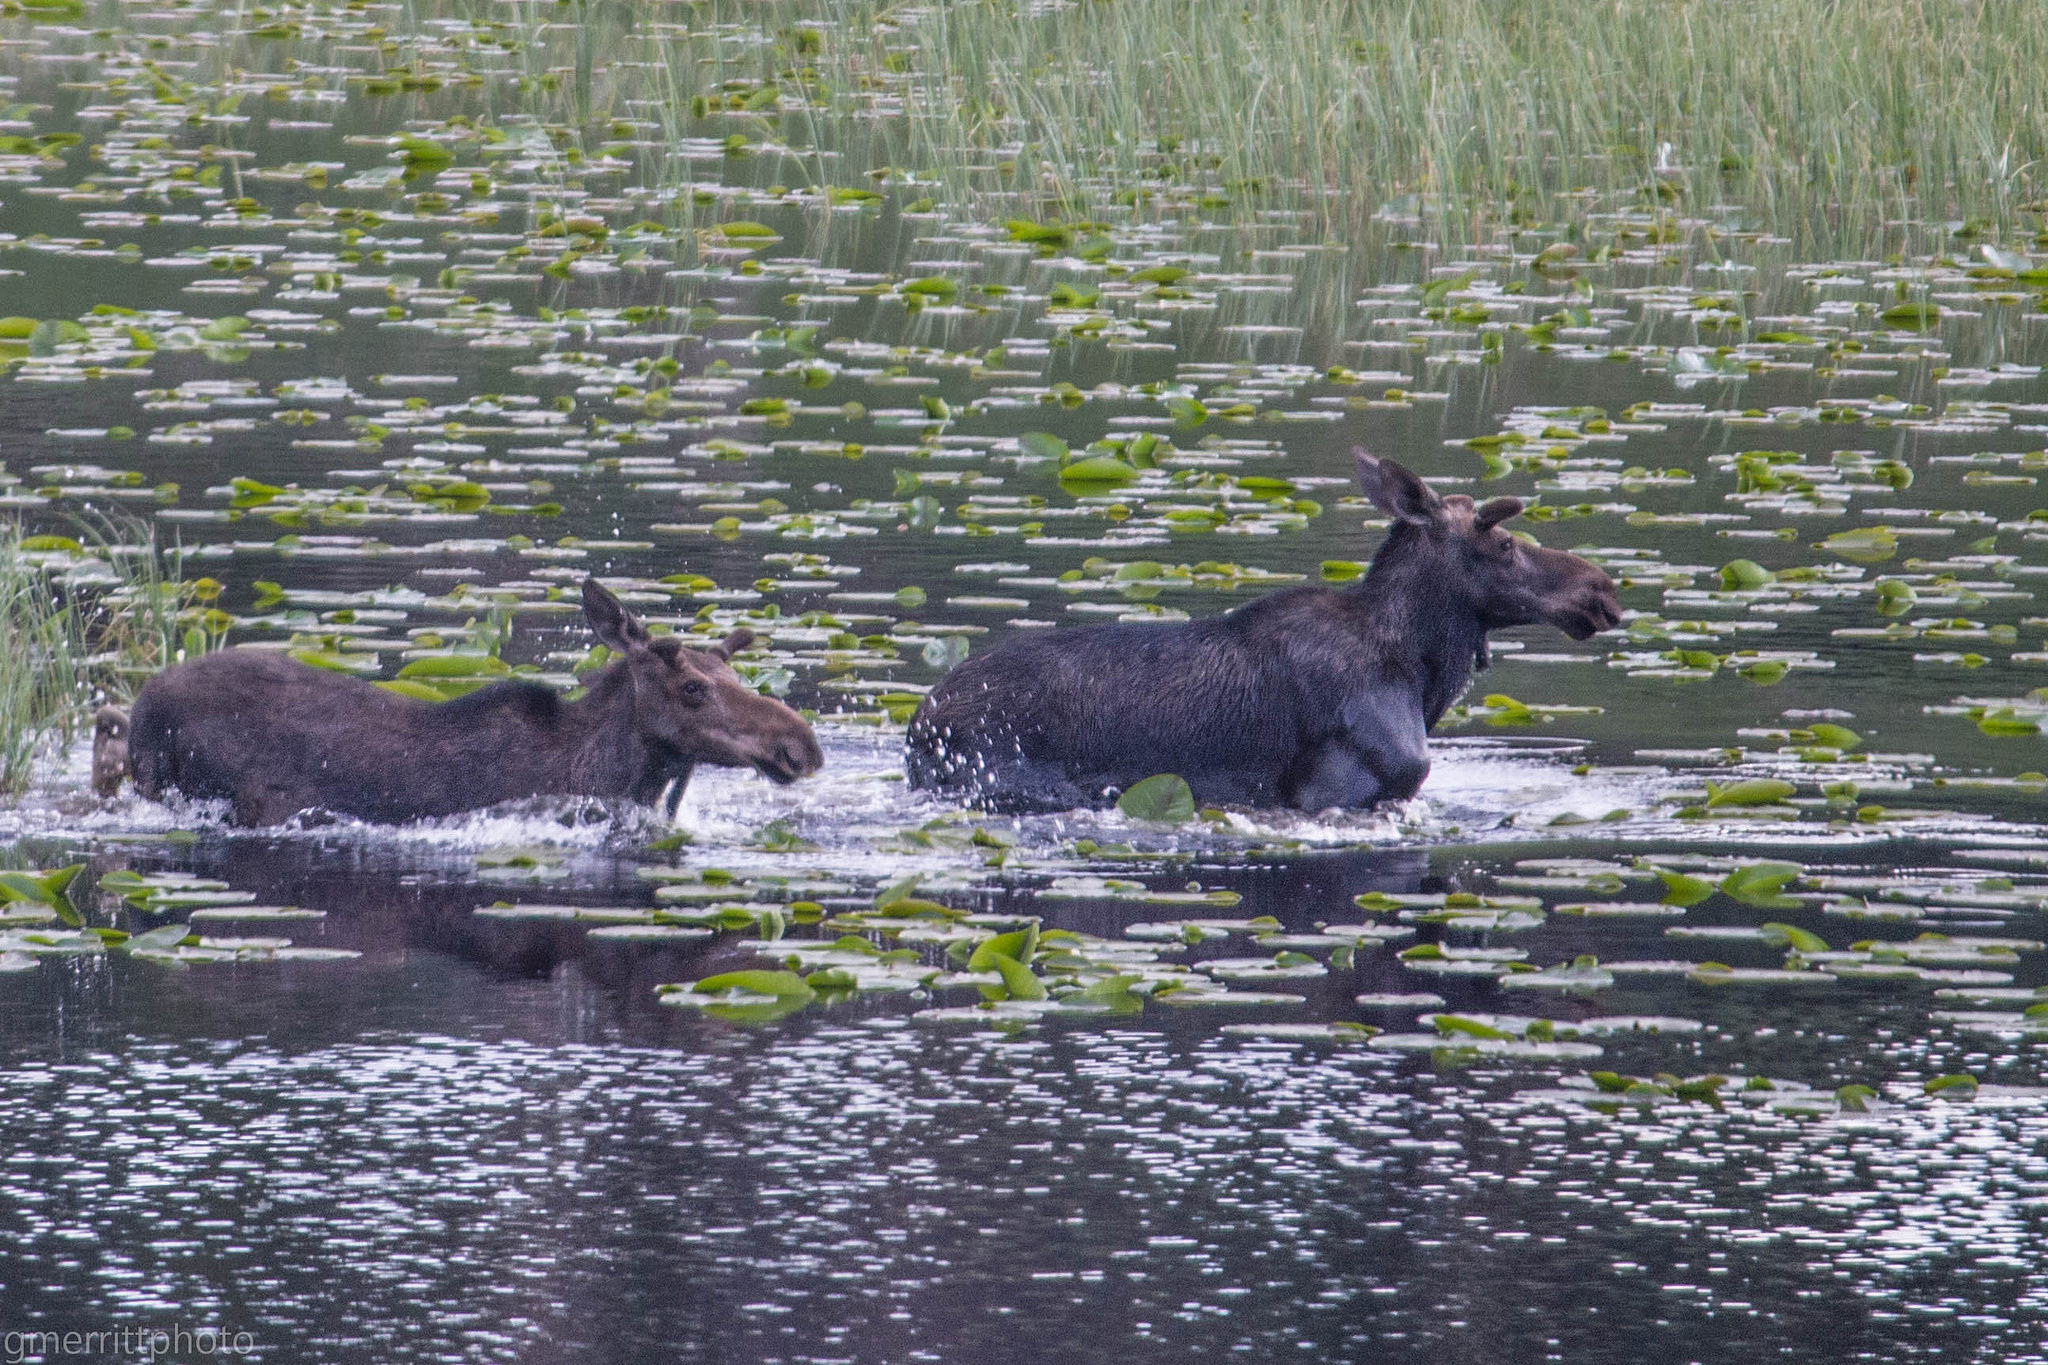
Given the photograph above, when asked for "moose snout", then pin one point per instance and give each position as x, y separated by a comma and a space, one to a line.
785, 758
1598, 608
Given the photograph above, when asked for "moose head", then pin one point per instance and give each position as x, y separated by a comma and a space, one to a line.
1469, 561
690, 704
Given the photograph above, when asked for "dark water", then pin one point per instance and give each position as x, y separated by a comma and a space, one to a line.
461, 1149
442, 1153
487, 1139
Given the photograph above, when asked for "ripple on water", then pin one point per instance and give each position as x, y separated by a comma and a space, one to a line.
877, 1194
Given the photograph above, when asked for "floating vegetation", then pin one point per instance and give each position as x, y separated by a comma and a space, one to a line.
178, 945
166, 891
33, 897
39, 920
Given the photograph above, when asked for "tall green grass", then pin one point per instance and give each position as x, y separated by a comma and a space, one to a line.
1846, 126
83, 622
39, 679
137, 610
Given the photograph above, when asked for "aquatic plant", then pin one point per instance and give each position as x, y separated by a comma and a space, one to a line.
148, 616
39, 696
83, 622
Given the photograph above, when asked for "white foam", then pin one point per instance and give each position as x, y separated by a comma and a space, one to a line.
863, 820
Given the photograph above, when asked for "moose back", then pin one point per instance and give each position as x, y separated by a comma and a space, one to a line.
1309, 697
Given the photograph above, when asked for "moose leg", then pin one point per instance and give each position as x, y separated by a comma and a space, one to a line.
1334, 776
257, 803
1338, 775
1381, 755
1026, 785
109, 750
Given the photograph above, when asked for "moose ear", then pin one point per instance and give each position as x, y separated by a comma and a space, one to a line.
617, 629
1496, 511
1395, 489
733, 643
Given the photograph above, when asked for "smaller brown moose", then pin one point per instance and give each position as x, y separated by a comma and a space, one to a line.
274, 737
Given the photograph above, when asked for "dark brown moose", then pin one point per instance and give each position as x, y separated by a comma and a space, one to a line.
275, 737
1309, 697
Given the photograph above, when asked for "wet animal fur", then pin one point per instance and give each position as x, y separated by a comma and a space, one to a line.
273, 736
1309, 697
109, 750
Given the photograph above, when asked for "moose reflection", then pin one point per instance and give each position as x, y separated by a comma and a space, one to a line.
1309, 697
274, 737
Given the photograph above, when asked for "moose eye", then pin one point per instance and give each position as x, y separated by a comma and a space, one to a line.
694, 691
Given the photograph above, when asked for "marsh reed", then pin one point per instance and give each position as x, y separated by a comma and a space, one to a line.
1850, 127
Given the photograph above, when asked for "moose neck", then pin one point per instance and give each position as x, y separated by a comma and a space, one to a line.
1420, 627
605, 752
